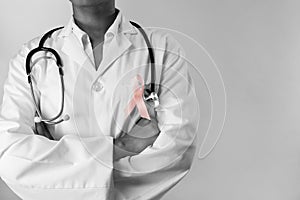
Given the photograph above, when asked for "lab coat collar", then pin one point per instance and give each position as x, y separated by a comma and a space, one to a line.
118, 45
120, 25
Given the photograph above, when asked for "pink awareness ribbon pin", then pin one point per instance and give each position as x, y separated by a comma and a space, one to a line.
137, 100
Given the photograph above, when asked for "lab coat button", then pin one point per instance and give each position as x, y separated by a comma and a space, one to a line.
97, 87
110, 35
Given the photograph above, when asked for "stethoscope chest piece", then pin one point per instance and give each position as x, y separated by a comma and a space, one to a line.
153, 97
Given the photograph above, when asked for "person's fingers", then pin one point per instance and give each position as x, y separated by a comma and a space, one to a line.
143, 122
38, 128
140, 143
42, 130
144, 131
150, 108
47, 132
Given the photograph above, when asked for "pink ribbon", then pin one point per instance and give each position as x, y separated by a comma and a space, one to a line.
138, 100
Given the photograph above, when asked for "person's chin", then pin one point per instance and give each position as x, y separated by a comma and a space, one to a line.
88, 2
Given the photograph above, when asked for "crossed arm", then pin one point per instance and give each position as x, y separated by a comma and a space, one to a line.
126, 145
32, 165
29, 161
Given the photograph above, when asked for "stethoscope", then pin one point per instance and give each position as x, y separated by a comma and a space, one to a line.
152, 95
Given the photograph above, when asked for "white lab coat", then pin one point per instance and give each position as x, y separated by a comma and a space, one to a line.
79, 163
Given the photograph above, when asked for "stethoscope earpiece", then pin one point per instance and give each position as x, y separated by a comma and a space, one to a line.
37, 120
66, 118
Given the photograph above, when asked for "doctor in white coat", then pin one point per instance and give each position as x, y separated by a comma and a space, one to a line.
96, 154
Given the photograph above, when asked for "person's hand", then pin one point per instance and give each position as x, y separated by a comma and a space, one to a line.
134, 142
41, 129
142, 135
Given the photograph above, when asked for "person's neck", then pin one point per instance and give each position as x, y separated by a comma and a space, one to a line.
95, 20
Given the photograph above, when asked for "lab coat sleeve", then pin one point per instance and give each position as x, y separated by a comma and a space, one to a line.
35, 167
161, 166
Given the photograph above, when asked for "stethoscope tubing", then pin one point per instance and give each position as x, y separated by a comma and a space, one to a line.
41, 48
41, 117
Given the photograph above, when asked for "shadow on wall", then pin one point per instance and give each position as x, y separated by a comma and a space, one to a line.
6, 193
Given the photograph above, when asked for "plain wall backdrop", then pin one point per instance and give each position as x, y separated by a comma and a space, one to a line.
256, 44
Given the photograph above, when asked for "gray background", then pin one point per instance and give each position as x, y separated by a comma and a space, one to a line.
256, 45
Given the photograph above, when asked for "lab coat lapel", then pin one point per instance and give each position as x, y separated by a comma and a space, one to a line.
119, 44
71, 47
